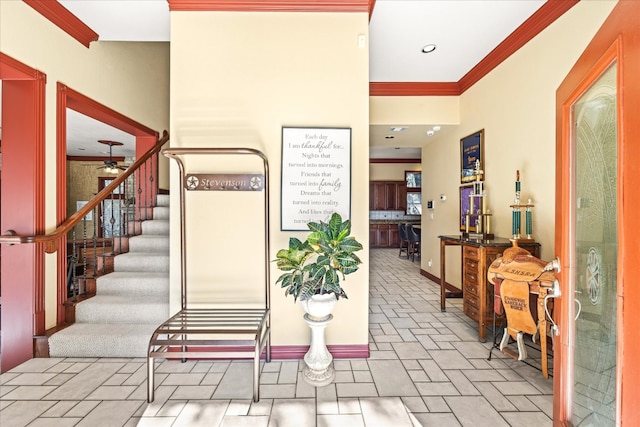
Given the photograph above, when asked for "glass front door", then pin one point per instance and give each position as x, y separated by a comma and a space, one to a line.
594, 278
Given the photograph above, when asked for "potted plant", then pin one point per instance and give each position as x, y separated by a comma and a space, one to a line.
314, 267
312, 273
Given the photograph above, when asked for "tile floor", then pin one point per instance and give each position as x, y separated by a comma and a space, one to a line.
427, 368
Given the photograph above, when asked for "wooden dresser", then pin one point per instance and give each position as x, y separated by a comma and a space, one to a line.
477, 294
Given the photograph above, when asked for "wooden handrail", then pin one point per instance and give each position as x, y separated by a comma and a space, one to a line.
51, 240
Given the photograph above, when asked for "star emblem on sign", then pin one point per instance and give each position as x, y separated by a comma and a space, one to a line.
255, 182
192, 182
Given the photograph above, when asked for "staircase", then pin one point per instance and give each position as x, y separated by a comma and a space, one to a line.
129, 303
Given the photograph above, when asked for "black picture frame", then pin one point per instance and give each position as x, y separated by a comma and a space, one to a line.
471, 152
315, 175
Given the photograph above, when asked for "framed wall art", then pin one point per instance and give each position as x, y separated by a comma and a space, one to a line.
471, 153
316, 175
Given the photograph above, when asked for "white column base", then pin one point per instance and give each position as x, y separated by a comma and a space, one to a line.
319, 371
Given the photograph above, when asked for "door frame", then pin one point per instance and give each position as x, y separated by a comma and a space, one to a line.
617, 40
23, 204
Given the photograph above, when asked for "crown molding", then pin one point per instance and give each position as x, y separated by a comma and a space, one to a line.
391, 160
272, 5
65, 20
545, 16
414, 89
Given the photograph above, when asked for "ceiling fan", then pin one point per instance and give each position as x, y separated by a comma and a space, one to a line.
111, 166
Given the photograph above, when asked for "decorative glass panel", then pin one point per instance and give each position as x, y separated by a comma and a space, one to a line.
596, 246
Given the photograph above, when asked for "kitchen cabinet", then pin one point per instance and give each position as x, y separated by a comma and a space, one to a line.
384, 235
388, 196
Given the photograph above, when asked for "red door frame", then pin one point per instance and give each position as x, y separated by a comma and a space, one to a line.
145, 139
23, 178
618, 39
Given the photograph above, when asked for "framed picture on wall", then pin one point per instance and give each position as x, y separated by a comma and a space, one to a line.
471, 156
316, 175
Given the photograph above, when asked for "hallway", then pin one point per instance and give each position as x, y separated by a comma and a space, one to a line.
426, 368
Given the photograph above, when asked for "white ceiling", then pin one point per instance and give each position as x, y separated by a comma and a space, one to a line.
464, 31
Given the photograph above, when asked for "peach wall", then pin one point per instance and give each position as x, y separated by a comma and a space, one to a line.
236, 80
131, 78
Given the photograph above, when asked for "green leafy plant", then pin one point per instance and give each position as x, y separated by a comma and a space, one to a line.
316, 265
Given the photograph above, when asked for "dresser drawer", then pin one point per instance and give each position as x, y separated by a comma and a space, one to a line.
471, 289
471, 311
471, 264
471, 277
469, 252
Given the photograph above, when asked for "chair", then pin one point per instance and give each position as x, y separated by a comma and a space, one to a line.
413, 238
404, 242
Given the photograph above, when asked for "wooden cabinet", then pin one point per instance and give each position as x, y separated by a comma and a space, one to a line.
378, 196
402, 197
394, 236
373, 235
475, 262
388, 196
391, 196
477, 293
384, 235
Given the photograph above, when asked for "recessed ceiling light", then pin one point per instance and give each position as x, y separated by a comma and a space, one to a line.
397, 129
389, 137
429, 48
436, 128
429, 133
81, 149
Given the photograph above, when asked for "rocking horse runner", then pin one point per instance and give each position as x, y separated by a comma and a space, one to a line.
517, 274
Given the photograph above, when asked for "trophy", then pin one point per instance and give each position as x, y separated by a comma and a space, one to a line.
478, 216
516, 216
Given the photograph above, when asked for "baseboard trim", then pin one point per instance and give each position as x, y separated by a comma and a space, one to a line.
454, 291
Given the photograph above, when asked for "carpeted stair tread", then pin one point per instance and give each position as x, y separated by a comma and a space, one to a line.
142, 261
149, 243
161, 212
123, 309
155, 226
134, 284
102, 340
162, 200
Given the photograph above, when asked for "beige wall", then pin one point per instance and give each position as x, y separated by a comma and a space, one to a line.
391, 171
131, 78
408, 110
236, 79
515, 105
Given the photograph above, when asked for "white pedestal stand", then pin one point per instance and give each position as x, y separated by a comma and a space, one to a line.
319, 371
